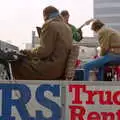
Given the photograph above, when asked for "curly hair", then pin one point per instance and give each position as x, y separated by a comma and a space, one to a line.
97, 25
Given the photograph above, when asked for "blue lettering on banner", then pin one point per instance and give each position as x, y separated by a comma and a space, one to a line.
8, 102
48, 103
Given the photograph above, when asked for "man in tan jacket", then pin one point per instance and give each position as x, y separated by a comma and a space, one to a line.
48, 61
109, 41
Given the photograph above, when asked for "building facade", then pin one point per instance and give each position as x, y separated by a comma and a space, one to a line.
35, 40
108, 11
7, 46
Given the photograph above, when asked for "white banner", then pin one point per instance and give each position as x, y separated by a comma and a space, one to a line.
30, 100
93, 101
59, 100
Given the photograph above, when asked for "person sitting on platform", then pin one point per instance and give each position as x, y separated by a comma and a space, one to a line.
109, 40
48, 61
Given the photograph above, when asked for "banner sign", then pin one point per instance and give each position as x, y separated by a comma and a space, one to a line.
93, 101
59, 100
24, 101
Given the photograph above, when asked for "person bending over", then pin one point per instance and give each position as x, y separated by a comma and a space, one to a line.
109, 40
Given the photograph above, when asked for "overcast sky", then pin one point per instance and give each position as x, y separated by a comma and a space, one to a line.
19, 17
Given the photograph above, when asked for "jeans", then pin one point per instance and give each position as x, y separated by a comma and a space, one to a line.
99, 64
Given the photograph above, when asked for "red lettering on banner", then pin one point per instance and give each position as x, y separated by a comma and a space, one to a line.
115, 98
79, 113
104, 97
83, 97
91, 95
93, 116
74, 112
108, 115
76, 95
118, 114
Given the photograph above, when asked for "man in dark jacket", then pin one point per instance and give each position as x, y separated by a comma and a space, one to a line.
49, 59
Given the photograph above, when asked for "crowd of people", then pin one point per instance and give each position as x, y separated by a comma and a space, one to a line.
48, 61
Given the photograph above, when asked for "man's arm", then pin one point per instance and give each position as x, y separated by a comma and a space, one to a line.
47, 39
104, 44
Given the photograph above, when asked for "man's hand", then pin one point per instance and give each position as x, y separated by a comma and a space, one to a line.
86, 23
